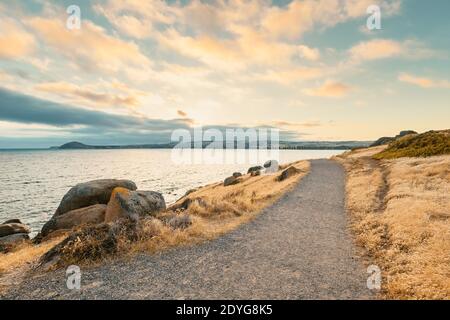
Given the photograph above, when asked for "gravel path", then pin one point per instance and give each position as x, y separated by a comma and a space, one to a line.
299, 248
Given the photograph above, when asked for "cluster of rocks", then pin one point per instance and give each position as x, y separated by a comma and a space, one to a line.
269, 167
12, 232
98, 201
106, 201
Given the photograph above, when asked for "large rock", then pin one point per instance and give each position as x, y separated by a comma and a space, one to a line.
12, 221
14, 238
289, 172
9, 242
90, 215
13, 228
255, 168
125, 203
231, 180
271, 166
90, 193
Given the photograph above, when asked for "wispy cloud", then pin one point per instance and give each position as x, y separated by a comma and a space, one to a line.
92, 95
329, 89
423, 81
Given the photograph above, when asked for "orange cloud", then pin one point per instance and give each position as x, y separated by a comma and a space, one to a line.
246, 49
329, 89
290, 76
15, 42
376, 49
181, 113
90, 47
423, 82
91, 95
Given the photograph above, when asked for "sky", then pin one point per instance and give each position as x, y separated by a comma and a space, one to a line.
137, 70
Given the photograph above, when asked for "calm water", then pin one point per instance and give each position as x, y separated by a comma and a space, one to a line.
33, 182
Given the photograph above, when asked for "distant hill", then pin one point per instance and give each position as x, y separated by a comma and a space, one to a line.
296, 145
75, 145
431, 143
387, 140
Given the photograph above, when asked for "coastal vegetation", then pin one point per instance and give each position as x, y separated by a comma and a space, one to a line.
431, 143
398, 200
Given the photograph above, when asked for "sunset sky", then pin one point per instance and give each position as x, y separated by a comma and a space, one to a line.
136, 70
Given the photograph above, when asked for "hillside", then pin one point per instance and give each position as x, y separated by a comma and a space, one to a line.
431, 143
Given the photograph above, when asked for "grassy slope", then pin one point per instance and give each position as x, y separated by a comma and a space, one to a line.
427, 144
399, 212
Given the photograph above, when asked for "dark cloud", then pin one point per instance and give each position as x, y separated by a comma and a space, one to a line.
88, 126
21, 108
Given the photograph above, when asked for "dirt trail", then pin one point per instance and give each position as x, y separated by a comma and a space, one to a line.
299, 248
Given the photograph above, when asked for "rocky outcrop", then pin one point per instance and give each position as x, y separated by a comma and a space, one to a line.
231, 181
90, 193
382, 141
287, 173
89, 215
125, 203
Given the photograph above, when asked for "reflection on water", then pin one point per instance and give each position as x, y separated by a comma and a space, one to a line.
33, 182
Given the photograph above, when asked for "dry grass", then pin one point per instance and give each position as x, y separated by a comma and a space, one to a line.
13, 264
212, 211
400, 216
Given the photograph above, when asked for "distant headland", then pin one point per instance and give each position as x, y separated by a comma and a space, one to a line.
295, 145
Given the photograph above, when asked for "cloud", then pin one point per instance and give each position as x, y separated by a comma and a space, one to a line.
423, 82
181, 113
298, 17
92, 95
329, 89
291, 75
15, 41
385, 48
247, 49
376, 49
21, 108
89, 48
309, 124
135, 18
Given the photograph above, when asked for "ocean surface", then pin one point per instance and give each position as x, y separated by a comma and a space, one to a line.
33, 182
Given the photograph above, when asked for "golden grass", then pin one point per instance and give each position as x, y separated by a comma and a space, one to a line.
12, 264
400, 216
213, 210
